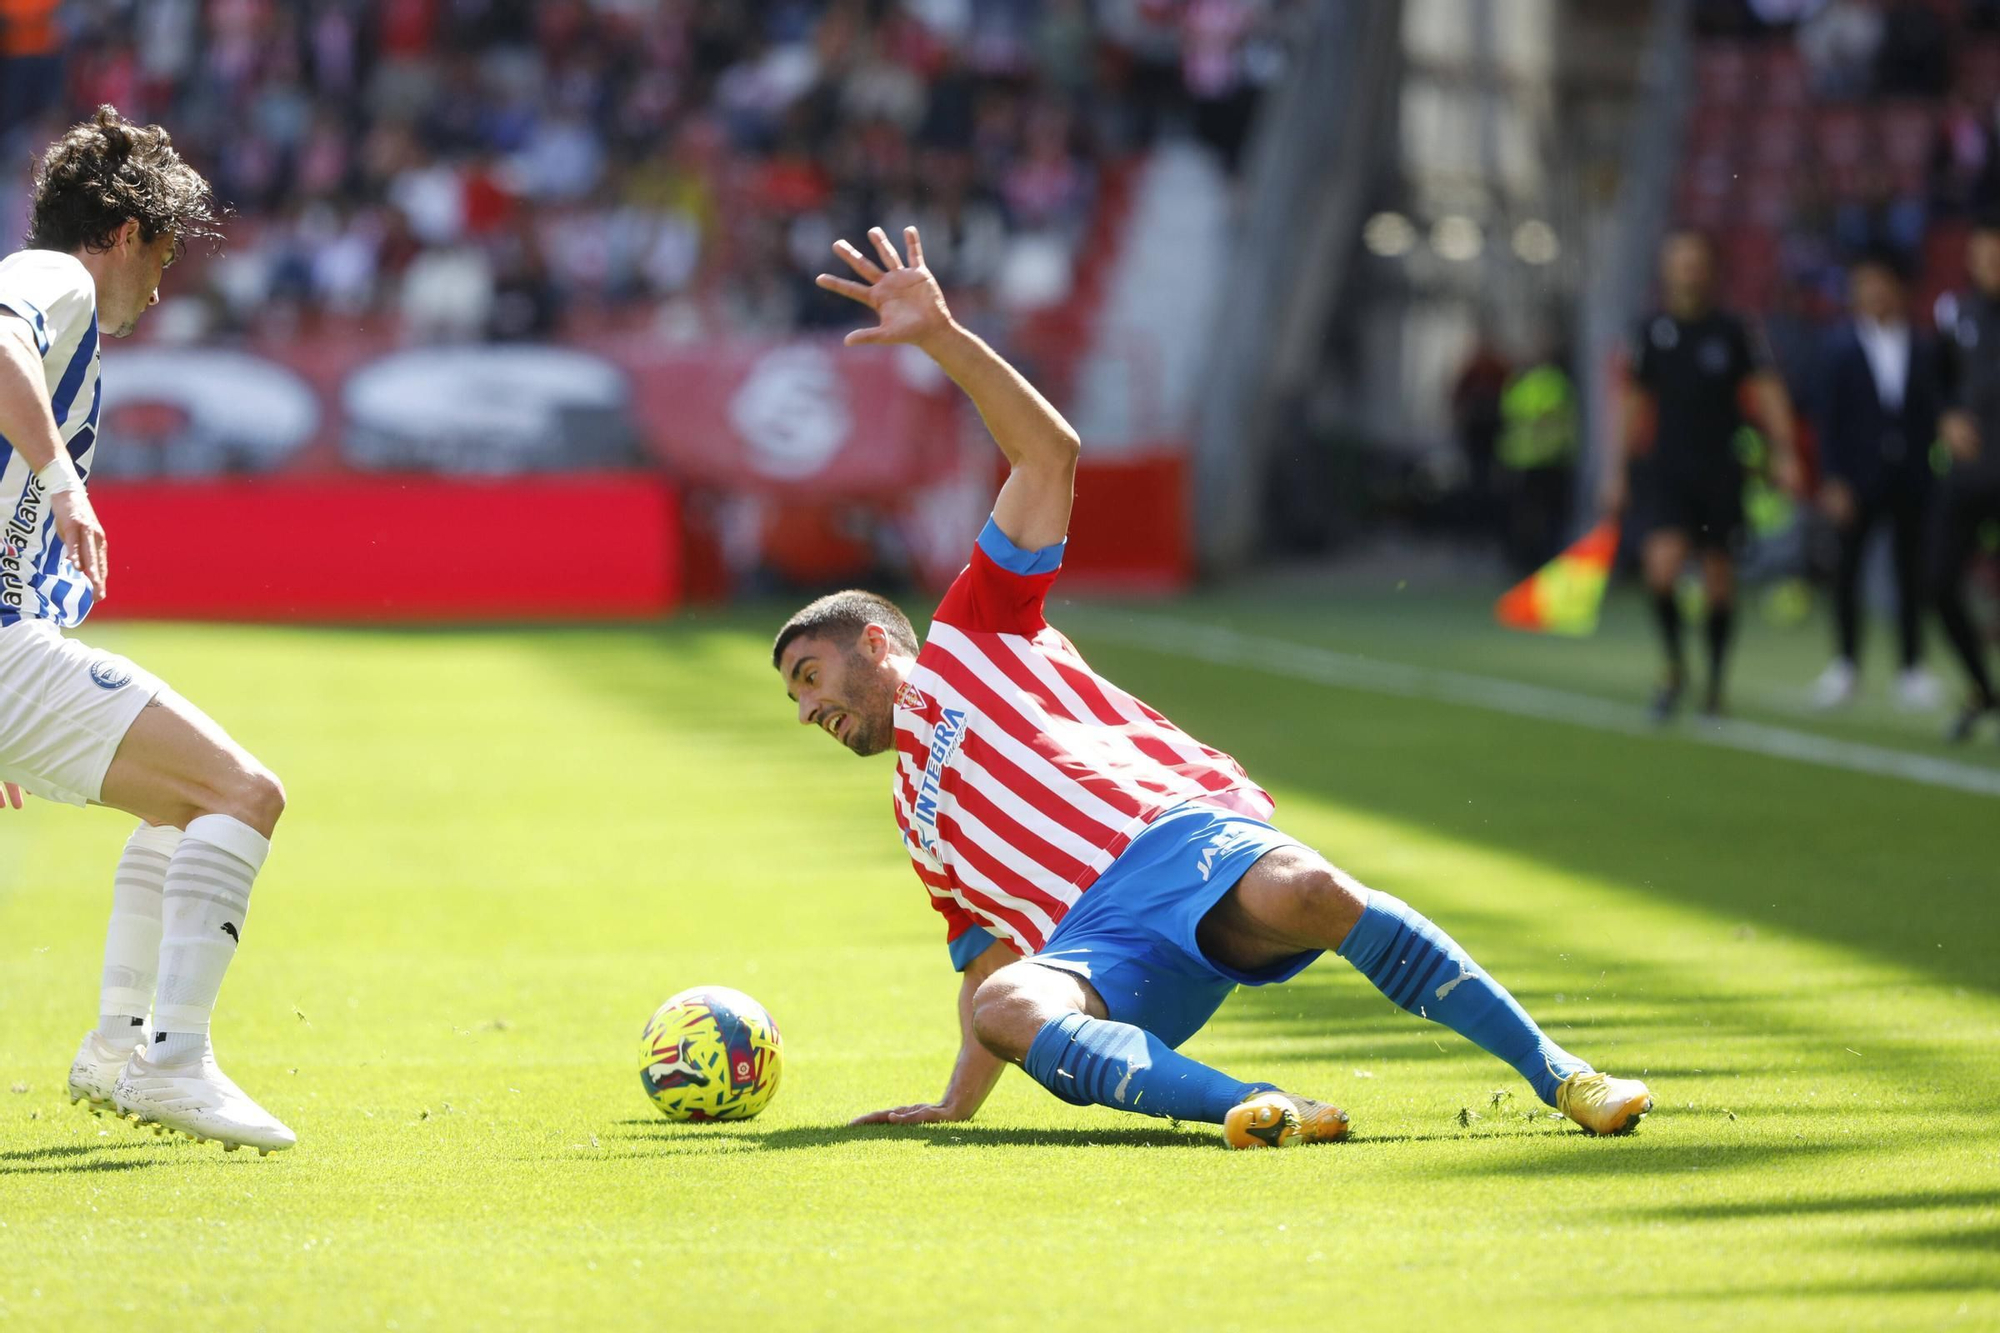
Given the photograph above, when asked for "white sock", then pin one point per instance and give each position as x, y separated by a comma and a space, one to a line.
132, 941
206, 899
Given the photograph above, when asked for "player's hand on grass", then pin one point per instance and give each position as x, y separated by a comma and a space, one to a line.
907, 300
83, 537
10, 796
928, 1113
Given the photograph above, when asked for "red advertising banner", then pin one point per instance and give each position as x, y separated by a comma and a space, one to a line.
801, 463
801, 418
374, 549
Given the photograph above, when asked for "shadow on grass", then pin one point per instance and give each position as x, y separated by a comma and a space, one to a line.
1983, 1241
1915, 1284
935, 1136
60, 1159
1797, 1207
1633, 1155
56, 1151
77, 1165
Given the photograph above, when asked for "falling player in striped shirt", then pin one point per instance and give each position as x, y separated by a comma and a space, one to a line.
1105, 878
113, 203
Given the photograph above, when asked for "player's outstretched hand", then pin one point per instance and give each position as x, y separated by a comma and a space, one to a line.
83, 537
928, 1113
10, 796
907, 300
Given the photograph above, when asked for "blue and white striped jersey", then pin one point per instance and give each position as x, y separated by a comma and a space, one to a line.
54, 293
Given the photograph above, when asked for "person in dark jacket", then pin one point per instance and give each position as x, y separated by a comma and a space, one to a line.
1877, 416
1970, 494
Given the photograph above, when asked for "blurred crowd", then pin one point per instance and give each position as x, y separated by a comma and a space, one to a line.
510, 168
1870, 124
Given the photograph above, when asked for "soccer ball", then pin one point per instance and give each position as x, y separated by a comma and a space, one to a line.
711, 1053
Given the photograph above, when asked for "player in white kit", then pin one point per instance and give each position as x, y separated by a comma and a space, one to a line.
113, 204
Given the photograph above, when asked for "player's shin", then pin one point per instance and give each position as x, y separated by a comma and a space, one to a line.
1424, 970
132, 940
206, 898
1092, 1061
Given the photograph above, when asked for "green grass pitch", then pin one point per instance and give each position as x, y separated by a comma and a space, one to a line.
505, 848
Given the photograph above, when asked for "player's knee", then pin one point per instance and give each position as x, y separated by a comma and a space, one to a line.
1330, 900
256, 797
1005, 1018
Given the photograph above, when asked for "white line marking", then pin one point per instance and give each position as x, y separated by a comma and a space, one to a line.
1325, 666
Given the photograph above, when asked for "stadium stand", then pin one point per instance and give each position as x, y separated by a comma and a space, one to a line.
516, 170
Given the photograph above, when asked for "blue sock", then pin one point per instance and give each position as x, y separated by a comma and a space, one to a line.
1423, 970
1092, 1061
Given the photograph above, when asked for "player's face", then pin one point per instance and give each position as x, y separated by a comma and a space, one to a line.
848, 692
1982, 260
1686, 268
135, 279
1876, 294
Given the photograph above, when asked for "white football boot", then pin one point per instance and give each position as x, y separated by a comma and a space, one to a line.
197, 1099
1918, 691
97, 1066
1837, 686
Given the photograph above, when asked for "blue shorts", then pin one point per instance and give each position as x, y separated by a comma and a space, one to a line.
1132, 933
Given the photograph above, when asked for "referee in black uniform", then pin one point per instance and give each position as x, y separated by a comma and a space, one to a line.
1675, 466
1969, 497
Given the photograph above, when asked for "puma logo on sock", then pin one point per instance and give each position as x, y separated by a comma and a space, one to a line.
229, 928
1464, 974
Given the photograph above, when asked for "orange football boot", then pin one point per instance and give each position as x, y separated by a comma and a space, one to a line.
1603, 1104
1280, 1120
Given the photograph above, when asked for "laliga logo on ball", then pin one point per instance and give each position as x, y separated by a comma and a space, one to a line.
710, 1053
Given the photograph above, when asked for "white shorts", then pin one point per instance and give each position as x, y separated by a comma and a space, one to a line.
64, 707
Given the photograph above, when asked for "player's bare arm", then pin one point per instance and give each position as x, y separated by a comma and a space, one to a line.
977, 1070
28, 422
1773, 407
1034, 505
1635, 415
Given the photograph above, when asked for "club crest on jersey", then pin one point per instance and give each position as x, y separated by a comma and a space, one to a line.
945, 736
110, 675
909, 696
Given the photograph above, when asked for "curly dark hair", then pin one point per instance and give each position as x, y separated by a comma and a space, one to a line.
108, 171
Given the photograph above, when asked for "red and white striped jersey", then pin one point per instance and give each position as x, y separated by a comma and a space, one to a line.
1021, 774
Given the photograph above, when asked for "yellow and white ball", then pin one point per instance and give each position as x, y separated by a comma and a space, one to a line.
711, 1053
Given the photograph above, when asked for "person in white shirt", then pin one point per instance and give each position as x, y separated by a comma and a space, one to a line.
1877, 416
113, 204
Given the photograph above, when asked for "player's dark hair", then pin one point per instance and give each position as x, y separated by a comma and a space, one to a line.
1886, 258
1690, 232
1986, 219
842, 616
106, 172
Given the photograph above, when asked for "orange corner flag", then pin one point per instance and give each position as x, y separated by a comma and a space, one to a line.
1563, 596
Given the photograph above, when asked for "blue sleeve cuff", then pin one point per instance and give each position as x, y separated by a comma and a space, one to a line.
29, 311
968, 947
1000, 548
